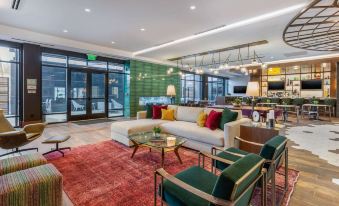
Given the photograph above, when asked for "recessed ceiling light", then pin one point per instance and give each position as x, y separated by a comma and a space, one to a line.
227, 27
65, 31
193, 7
113, 42
87, 10
142, 29
272, 57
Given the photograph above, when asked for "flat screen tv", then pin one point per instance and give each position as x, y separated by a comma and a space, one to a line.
276, 85
311, 84
239, 89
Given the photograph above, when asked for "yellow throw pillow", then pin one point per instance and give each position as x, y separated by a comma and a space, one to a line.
202, 119
167, 114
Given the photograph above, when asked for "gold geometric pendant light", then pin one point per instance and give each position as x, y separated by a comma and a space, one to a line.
315, 28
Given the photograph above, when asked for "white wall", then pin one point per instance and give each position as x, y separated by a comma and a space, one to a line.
237, 81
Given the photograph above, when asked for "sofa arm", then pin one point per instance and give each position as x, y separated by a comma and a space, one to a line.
141, 115
232, 130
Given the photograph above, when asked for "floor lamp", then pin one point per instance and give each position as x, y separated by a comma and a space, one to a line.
171, 92
252, 91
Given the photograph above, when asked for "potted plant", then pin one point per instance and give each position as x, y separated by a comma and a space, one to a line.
237, 102
314, 100
156, 131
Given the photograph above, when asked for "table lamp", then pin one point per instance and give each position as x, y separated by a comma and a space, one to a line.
252, 91
171, 91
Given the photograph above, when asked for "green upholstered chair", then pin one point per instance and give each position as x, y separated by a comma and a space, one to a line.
11, 138
272, 151
196, 186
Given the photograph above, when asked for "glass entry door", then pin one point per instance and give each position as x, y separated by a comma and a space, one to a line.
87, 94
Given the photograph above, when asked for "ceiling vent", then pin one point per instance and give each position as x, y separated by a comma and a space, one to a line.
294, 54
15, 4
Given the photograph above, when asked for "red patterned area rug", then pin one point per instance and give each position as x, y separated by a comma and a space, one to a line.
104, 174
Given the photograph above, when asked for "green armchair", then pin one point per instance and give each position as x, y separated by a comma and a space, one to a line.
14, 139
199, 187
272, 151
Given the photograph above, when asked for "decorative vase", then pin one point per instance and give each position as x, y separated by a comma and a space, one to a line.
156, 134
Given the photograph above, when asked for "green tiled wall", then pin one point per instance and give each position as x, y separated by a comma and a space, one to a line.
152, 85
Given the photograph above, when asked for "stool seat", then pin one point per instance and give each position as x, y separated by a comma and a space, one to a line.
56, 139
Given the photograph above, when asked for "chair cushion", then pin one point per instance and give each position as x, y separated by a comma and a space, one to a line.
56, 139
226, 117
229, 156
192, 131
213, 120
167, 114
229, 178
22, 162
127, 128
268, 151
188, 114
201, 119
196, 177
157, 111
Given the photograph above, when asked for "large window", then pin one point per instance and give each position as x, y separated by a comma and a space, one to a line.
191, 87
54, 102
216, 87
9, 93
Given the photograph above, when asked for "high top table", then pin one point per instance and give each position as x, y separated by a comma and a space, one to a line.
309, 106
285, 108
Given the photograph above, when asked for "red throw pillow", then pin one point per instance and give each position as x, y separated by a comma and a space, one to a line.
213, 120
157, 111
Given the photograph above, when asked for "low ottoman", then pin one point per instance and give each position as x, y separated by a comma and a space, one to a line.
57, 140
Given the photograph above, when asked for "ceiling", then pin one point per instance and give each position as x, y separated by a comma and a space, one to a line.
164, 20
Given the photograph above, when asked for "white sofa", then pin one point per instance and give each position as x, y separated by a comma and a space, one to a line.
198, 138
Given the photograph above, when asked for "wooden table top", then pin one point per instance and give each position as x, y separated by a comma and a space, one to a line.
265, 109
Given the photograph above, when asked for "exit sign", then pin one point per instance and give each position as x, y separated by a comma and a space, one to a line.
91, 57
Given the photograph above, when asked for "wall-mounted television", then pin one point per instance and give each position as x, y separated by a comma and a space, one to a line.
239, 89
276, 85
311, 84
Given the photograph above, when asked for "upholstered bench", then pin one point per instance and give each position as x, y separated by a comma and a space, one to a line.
41, 185
22, 162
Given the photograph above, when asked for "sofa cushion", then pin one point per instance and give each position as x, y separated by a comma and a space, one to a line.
208, 110
226, 117
127, 128
157, 111
149, 111
201, 119
190, 130
188, 114
167, 114
175, 108
213, 120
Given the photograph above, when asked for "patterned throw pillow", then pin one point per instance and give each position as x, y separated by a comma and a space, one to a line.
167, 114
201, 119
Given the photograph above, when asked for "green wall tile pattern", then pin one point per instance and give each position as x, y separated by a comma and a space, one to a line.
150, 80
